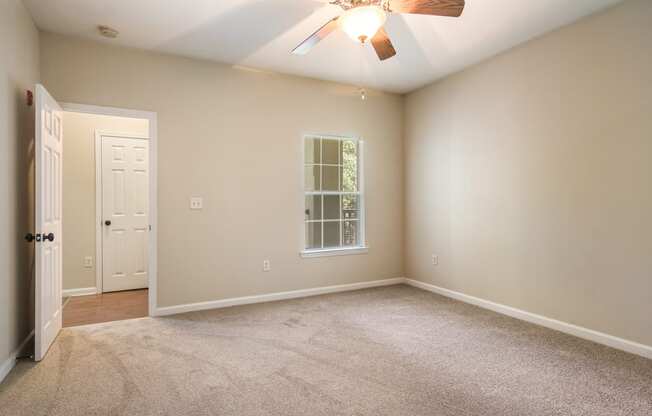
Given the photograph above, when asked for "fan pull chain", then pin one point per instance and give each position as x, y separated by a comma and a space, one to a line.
361, 89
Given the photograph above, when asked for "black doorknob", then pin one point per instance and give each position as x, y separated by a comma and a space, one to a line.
49, 237
29, 237
107, 222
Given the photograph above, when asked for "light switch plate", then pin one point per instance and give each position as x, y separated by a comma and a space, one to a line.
88, 262
196, 202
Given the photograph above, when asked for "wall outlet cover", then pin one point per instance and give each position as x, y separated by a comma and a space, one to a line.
196, 202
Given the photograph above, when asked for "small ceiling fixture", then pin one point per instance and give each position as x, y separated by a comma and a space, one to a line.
108, 32
363, 21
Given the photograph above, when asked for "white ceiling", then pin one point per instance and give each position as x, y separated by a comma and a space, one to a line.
261, 34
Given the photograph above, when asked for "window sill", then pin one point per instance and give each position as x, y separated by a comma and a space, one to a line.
334, 252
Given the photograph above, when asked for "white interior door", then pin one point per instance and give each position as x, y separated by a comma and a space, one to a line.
125, 212
48, 250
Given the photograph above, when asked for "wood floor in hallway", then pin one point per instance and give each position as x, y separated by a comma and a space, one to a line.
105, 307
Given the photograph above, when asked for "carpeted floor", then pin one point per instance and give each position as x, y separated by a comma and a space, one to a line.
387, 351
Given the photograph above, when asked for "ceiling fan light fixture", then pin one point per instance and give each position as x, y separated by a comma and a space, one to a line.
362, 23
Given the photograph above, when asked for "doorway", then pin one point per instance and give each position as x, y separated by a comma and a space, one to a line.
107, 215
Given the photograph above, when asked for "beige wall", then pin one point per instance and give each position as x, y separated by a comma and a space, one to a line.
233, 136
79, 190
19, 71
530, 175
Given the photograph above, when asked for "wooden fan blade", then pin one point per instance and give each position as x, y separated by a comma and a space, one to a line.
450, 8
305, 46
382, 45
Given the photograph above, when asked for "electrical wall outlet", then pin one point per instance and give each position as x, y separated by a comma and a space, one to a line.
196, 202
88, 262
435, 260
267, 266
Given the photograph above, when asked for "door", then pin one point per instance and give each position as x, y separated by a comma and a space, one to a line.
125, 212
48, 158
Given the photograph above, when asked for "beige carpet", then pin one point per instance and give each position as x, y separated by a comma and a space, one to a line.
386, 351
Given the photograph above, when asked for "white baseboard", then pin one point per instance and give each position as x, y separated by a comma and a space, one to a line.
302, 293
10, 362
82, 291
578, 331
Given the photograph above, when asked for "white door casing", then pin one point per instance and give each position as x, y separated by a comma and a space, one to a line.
125, 212
48, 213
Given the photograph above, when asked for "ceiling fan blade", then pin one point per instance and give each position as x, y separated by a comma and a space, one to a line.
382, 45
305, 46
450, 8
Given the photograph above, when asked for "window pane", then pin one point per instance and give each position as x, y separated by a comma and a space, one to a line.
350, 166
350, 207
312, 178
313, 207
331, 151
331, 234
312, 150
313, 235
350, 233
331, 207
332, 167
331, 178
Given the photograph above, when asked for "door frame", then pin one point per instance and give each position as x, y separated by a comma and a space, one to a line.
99, 241
153, 201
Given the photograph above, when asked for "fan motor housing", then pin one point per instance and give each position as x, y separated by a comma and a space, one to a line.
350, 4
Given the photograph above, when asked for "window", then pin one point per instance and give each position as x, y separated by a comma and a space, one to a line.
334, 215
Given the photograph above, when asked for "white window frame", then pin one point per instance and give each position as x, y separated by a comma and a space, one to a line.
362, 248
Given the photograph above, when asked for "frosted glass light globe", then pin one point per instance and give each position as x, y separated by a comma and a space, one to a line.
362, 23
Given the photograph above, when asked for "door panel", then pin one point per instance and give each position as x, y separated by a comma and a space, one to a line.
48, 265
125, 195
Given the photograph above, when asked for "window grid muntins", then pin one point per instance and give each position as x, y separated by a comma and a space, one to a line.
336, 158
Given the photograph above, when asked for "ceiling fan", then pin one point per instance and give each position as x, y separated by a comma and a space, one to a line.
363, 21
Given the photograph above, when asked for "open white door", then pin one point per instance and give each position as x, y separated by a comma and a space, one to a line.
48, 155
